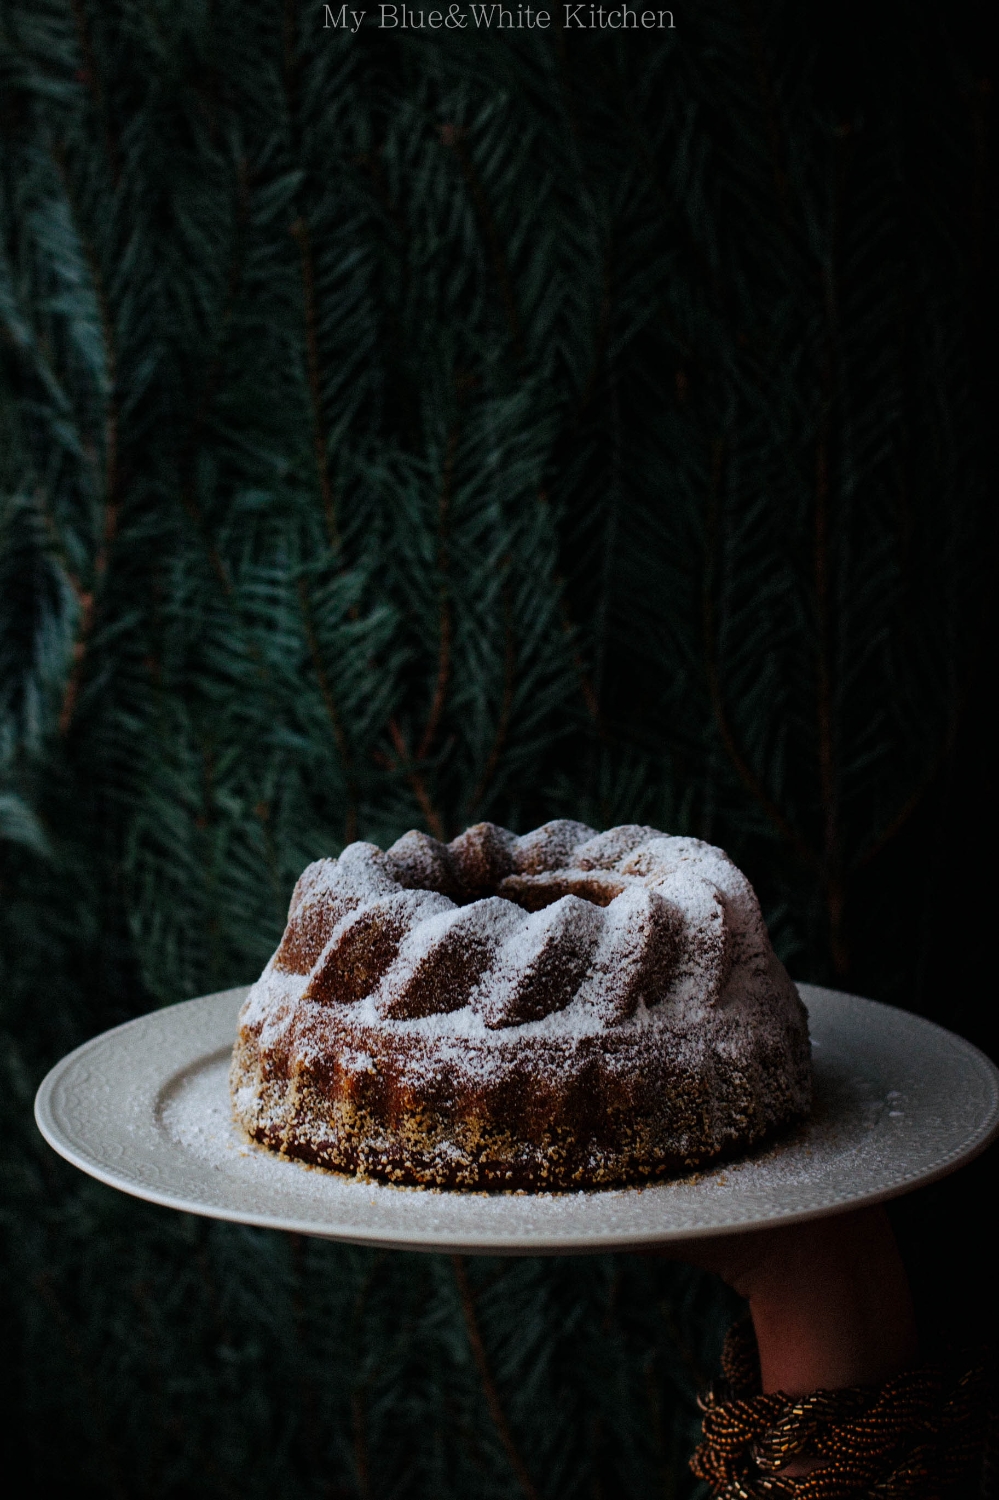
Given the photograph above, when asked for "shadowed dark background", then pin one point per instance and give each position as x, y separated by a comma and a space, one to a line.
401, 430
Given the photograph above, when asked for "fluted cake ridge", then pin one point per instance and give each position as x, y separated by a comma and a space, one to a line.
424, 998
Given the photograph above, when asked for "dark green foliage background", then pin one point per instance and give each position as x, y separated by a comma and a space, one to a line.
406, 429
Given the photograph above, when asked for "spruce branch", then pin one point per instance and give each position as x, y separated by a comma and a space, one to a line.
90, 76
752, 782
307, 1398
107, 484
361, 1387
489, 1389
81, 1367
415, 778
571, 633
453, 138
302, 235
329, 702
212, 379
362, 1466
506, 708
768, 101
898, 821
446, 627
303, 238
195, 514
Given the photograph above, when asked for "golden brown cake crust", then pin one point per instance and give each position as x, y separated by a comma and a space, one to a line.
613, 1013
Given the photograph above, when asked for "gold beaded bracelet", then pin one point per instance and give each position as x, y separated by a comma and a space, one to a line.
917, 1437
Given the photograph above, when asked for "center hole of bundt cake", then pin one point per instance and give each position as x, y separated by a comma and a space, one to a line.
487, 860
535, 892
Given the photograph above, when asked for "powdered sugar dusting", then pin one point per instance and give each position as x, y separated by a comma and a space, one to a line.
640, 956
715, 923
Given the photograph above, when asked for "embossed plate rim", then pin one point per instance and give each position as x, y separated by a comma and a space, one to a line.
146, 1161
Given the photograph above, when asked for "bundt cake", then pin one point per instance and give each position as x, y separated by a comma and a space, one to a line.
569, 1009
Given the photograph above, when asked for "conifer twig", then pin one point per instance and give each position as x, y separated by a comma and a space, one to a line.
600, 342
308, 1404
332, 713
832, 877
213, 375
92, 78
443, 673
154, 1344
506, 706
570, 630
359, 1426
320, 440
444, 653
358, 1412
764, 83
489, 1389
302, 236
745, 772
896, 823
45, 1289
453, 138
430, 813
747, 775
71, 691
107, 484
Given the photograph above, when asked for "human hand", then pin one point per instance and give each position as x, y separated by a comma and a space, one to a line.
829, 1299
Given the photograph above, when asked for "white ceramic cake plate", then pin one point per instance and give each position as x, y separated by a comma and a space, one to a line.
145, 1108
